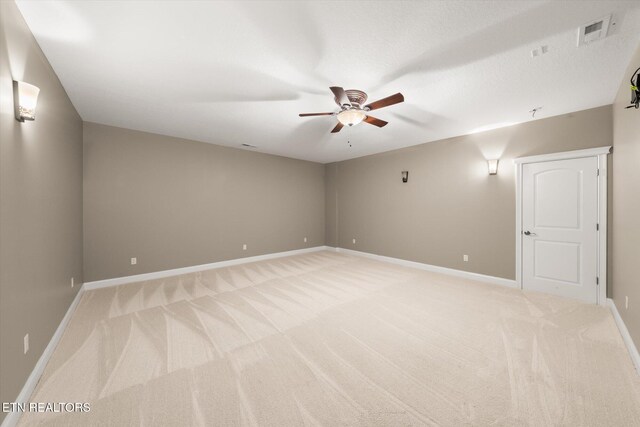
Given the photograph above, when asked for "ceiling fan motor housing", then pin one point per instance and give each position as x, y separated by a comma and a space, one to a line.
355, 96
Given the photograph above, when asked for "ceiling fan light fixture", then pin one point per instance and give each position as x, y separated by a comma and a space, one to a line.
351, 116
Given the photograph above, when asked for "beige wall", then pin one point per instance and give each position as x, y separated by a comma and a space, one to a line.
450, 206
174, 203
626, 205
331, 205
40, 205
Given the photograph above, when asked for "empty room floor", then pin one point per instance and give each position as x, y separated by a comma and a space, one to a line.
331, 339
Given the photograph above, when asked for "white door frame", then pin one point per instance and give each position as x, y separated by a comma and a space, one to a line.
601, 154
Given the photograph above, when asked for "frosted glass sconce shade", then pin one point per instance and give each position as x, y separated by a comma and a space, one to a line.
25, 98
493, 166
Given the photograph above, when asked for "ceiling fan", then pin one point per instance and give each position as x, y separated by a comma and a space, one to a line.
352, 108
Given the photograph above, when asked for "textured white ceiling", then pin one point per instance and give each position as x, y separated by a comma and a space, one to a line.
233, 72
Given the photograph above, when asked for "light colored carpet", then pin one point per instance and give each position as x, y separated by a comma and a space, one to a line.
331, 339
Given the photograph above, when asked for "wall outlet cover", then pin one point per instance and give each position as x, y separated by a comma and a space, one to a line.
134, 261
26, 343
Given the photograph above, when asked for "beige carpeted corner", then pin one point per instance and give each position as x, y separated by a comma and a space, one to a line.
330, 339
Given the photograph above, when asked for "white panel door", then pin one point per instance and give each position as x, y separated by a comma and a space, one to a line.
559, 219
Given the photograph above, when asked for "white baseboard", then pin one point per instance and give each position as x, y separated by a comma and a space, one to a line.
12, 418
192, 269
436, 269
626, 337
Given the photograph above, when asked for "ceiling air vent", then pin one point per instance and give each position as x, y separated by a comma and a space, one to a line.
594, 30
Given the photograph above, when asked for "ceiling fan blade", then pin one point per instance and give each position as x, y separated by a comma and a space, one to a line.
341, 96
337, 128
385, 102
315, 114
375, 122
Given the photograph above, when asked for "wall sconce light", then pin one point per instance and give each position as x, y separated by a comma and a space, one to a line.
405, 176
493, 166
25, 98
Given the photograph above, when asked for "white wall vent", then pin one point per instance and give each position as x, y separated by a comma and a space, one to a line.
594, 30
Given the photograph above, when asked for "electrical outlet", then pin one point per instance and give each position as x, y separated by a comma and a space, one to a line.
244, 247
134, 261
305, 240
72, 282
626, 303
26, 343
465, 258
354, 241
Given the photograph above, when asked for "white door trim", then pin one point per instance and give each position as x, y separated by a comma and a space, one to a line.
601, 154
576, 154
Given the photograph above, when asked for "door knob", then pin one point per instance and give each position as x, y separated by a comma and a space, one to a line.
528, 233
